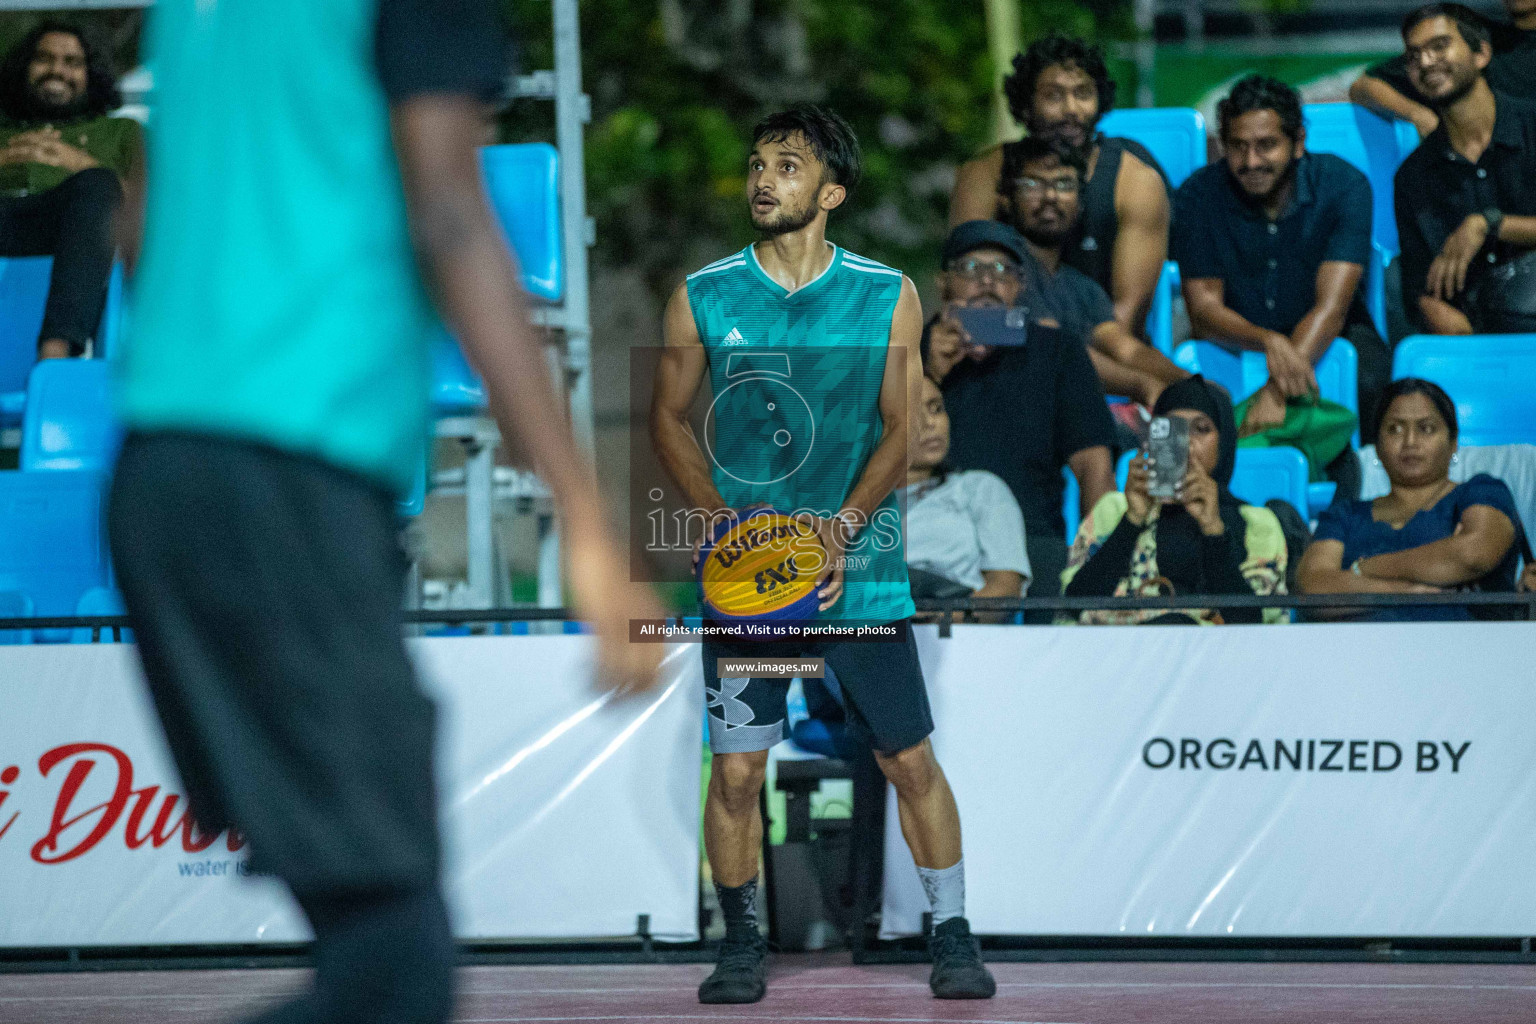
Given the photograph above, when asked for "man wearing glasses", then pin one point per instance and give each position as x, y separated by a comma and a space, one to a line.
1041, 189
1020, 412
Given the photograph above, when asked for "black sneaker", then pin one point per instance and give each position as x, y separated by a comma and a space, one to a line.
958, 972
741, 973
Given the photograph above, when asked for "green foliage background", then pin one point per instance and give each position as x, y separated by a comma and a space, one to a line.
677, 84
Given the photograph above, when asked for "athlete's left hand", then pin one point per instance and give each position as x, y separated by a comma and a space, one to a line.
834, 537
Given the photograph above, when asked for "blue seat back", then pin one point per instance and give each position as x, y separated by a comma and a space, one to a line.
1243, 373
23, 290
15, 605
1262, 474
1371, 143
1490, 377
523, 184
52, 543
1175, 136
23, 293
100, 601
1160, 316
69, 421
410, 506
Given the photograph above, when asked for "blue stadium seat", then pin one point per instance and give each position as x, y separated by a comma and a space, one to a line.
1160, 317
52, 543
1372, 143
1375, 287
1262, 474
69, 422
410, 506
23, 292
15, 605
523, 183
456, 388
1491, 378
100, 601
1175, 135
1243, 373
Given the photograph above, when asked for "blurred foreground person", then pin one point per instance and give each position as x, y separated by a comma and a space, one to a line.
275, 392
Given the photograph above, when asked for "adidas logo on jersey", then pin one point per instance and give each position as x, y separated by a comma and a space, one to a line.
734, 338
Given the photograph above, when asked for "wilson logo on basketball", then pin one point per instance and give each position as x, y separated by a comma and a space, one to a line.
765, 566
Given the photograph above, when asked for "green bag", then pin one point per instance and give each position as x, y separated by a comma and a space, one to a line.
1320, 429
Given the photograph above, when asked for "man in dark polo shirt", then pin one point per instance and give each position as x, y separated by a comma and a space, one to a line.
1466, 198
1042, 186
1272, 242
64, 163
1021, 413
1388, 88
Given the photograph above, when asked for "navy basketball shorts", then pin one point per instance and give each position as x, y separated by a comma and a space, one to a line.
881, 681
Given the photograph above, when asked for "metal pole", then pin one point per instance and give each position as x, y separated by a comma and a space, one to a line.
1002, 45
1146, 51
479, 522
573, 109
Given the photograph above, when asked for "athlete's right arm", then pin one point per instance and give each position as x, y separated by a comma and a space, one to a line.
679, 375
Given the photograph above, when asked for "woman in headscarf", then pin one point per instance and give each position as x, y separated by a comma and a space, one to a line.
1203, 541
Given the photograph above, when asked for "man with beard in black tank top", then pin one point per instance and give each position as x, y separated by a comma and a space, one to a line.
1059, 89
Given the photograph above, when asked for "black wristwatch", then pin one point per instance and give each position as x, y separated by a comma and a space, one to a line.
1494, 216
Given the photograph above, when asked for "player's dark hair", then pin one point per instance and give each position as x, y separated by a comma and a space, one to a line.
101, 92
1052, 51
1405, 386
1474, 28
1035, 148
829, 136
1260, 92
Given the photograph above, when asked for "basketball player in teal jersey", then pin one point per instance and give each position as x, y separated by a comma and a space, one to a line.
826, 431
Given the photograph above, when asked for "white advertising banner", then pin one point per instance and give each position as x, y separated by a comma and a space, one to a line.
567, 813
1257, 781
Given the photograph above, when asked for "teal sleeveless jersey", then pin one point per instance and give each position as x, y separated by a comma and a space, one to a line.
795, 413
277, 299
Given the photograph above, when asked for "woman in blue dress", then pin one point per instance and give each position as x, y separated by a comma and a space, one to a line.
1428, 534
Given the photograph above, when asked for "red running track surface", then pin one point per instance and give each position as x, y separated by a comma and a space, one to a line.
824, 989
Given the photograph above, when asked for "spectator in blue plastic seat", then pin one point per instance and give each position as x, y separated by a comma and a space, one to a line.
1059, 90
964, 530
1020, 412
1272, 244
65, 163
1428, 534
1388, 88
1204, 541
1466, 198
1041, 187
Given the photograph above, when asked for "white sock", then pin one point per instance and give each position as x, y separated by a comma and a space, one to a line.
946, 891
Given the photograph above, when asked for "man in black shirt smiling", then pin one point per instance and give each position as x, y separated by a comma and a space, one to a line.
1272, 242
1388, 89
1466, 198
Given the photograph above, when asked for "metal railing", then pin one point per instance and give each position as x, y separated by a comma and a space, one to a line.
948, 611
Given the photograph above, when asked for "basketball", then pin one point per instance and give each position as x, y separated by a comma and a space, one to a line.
762, 566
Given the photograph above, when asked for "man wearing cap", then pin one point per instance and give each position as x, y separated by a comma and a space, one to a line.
1023, 412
